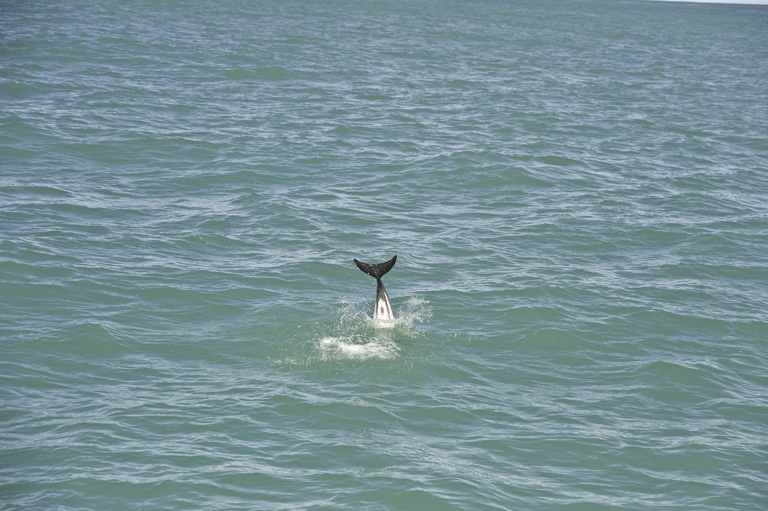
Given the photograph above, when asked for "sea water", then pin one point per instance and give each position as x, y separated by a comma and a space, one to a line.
577, 192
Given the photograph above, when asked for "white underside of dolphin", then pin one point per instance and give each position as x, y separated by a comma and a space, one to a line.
382, 310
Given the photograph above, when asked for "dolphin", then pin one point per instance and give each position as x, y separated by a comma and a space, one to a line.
383, 308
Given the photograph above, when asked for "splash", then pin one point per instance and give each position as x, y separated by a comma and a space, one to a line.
414, 311
411, 312
357, 336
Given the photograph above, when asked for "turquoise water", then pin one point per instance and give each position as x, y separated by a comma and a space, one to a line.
576, 192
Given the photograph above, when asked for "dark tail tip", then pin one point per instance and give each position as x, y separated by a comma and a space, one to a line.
376, 270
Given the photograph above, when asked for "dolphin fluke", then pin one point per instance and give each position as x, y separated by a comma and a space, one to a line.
382, 310
376, 270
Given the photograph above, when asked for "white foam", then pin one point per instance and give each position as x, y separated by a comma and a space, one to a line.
355, 348
384, 323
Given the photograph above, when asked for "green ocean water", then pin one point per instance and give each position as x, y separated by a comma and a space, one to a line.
577, 192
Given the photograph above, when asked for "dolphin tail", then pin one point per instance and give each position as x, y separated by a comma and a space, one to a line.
376, 270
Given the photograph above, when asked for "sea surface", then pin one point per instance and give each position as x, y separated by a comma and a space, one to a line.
577, 193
